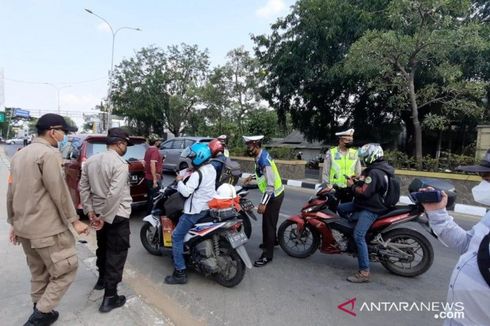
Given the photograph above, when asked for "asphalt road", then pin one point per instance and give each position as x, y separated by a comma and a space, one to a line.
292, 291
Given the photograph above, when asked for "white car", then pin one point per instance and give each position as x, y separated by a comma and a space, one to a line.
14, 141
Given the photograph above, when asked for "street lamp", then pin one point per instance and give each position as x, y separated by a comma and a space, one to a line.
114, 33
58, 89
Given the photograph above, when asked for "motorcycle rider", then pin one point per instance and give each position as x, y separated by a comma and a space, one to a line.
270, 185
223, 139
341, 161
368, 203
199, 190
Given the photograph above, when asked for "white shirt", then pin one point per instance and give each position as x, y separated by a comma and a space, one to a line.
197, 200
466, 284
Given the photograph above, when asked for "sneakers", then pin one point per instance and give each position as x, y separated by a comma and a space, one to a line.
41, 318
177, 277
112, 302
358, 278
262, 261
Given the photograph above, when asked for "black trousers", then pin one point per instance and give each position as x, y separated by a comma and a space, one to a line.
112, 251
269, 225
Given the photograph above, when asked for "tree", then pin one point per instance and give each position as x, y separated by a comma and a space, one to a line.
413, 56
158, 88
302, 66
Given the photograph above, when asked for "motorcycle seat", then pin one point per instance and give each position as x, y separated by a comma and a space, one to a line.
397, 210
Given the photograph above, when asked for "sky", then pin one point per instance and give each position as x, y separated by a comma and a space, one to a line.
51, 47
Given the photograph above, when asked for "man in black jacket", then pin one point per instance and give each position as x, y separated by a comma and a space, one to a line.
368, 204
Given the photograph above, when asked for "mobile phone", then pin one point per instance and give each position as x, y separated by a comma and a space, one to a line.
433, 196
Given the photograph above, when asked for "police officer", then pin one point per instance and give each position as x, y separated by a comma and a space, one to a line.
340, 161
106, 199
270, 185
39, 212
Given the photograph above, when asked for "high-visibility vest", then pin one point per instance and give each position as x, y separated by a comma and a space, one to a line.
341, 165
262, 182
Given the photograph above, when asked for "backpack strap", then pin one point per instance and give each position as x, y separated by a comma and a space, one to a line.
198, 184
483, 258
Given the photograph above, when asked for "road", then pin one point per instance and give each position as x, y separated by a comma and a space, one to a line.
288, 291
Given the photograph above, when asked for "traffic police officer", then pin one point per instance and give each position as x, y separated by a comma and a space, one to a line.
39, 214
270, 185
106, 199
340, 161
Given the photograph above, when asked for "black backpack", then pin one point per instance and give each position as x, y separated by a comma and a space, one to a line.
483, 258
230, 171
392, 194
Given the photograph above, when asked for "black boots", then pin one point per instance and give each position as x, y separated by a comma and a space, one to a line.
42, 319
112, 302
177, 277
262, 261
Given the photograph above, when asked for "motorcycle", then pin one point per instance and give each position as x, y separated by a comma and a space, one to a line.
213, 247
401, 250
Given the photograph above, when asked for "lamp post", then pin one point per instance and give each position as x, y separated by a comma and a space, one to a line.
58, 89
114, 33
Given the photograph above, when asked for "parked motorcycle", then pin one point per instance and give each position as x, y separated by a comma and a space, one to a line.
401, 250
213, 247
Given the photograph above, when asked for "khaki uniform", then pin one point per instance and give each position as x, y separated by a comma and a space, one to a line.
39, 208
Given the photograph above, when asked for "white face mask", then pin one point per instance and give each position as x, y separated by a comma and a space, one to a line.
481, 193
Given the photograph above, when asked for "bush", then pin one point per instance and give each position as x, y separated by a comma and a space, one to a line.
401, 160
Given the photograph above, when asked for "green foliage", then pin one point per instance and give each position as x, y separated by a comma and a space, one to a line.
447, 163
280, 153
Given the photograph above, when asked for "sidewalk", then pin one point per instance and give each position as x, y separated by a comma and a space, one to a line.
80, 304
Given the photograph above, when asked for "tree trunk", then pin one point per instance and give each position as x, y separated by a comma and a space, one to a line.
439, 145
415, 120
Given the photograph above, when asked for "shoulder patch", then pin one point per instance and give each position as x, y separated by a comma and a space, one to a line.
368, 180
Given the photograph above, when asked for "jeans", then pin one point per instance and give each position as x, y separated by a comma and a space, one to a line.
186, 222
364, 220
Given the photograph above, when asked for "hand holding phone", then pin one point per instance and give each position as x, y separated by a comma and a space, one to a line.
431, 196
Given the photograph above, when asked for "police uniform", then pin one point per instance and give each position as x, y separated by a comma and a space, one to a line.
39, 209
104, 189
270, 185
338, 164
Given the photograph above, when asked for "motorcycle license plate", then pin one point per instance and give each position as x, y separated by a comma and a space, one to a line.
246, 204
236, 239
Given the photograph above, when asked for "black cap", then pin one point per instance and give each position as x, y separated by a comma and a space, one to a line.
482, 168
118, 133
54, 121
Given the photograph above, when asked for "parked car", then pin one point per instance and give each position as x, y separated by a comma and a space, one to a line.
172, 148
82, 146
13, 141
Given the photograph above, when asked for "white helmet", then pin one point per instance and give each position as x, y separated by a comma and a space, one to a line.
225, 191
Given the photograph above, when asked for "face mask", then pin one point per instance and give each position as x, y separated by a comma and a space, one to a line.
62, 143
481, 193
348, 145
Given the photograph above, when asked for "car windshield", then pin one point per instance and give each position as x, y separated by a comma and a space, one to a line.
136, 152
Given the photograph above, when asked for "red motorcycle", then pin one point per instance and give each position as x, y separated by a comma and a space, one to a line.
401, 250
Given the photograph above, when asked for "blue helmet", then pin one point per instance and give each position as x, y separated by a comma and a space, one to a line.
199, 153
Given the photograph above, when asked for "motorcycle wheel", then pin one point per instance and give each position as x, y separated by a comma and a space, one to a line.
423, 250
235, 270
247, 224
299, 246
150, 239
